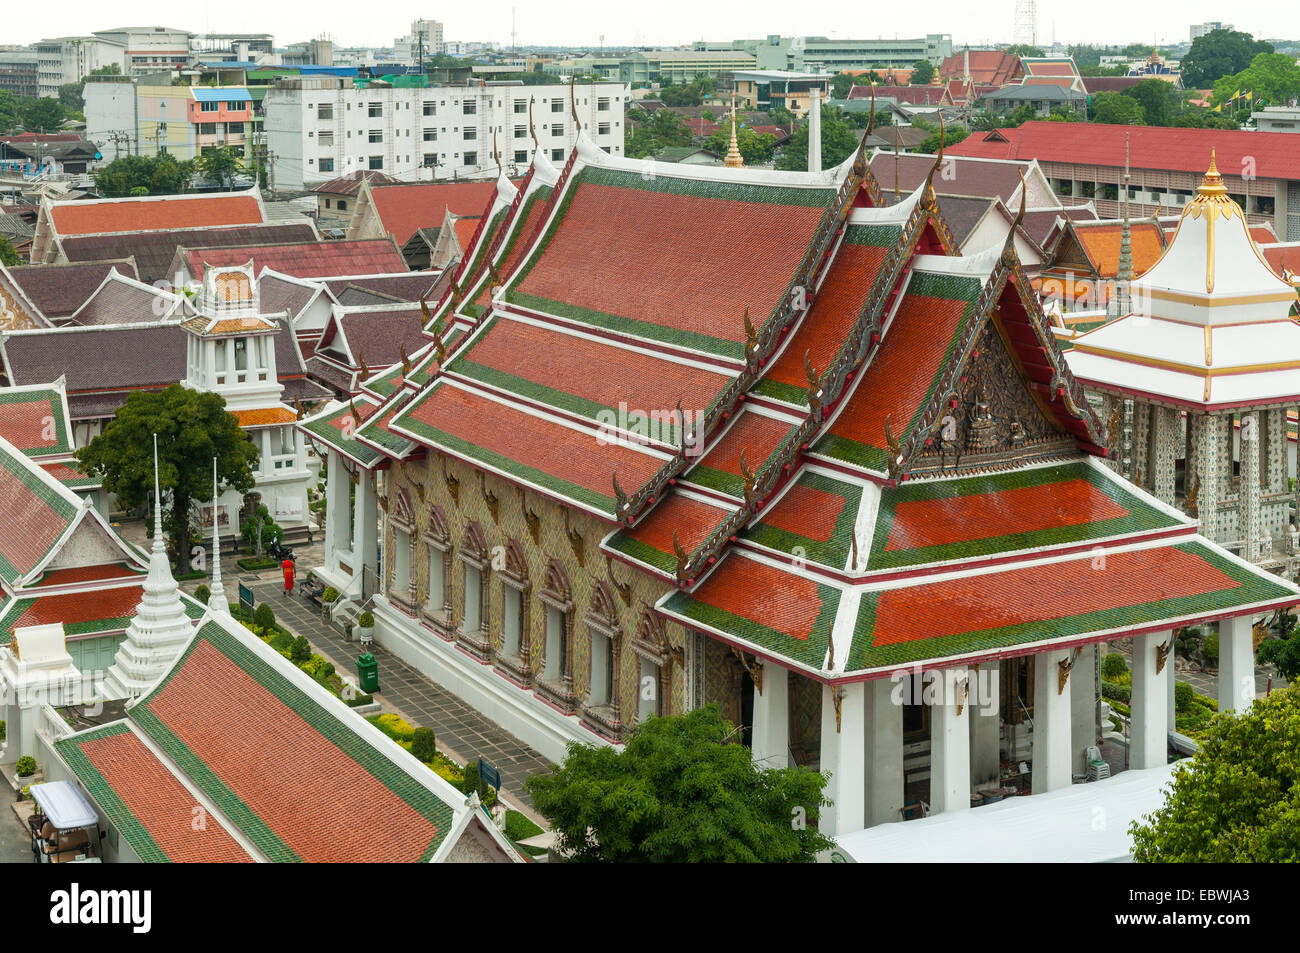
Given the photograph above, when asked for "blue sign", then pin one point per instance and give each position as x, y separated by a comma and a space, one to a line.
246, 598
489, 774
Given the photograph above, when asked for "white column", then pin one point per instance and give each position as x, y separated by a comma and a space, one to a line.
1236, 664
338, 522
365, 551
771, 740
1083, 708
950, 742
1171, 718
1150, 703
884, 752
985, 725
814, 131
843, 748
1052, 741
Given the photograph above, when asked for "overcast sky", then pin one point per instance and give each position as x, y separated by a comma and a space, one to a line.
659, 22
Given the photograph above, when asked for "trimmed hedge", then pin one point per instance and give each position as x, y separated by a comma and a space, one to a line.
1113, 691
1113, 665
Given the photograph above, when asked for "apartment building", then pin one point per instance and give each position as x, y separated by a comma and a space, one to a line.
66, 59
321, 127
423, 42
139, 119
819, 54
149, 49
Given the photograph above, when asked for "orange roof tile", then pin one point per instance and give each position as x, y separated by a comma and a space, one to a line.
405, 208
154, 213
265, 417
1102, 244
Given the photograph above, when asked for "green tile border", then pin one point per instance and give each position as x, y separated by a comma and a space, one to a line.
833, 553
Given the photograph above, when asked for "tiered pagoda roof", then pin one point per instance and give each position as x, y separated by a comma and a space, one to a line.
1212, 323
869, 425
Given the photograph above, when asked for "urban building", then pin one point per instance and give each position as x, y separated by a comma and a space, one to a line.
679, 66
69, 59
150, 49
183, 121
1086, 161
1200, 29
819, 54
764, 89
318, 128
1277, 119
20, 73
423, 43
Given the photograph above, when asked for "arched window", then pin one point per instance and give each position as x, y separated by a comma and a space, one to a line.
401, 579
556, 598
515, 643
437, 598
602, 703
475, 567
654, 658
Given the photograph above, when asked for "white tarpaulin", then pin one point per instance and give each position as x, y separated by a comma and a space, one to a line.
1084, 823
64, 804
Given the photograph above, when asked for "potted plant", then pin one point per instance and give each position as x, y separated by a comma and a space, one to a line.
365, 628
327, 600
25, 769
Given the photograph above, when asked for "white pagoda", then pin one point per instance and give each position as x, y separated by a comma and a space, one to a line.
1197, 379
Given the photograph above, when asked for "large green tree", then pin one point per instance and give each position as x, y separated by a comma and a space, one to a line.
647, 133
1117, 109
1238, 799
1159, 100
221, 163
144, 175
922, 73
755, 147
192, 428
839, 140
1217, 54
8, 254
679, 793
1272, 77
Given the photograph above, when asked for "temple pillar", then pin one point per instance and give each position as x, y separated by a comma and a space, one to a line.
1051, 770
1236, 664
884, 752
771, 739
843, 758
338, 519
1205, 464
950, 772
985, 725
1150, 699
1164, 452
1139, 447
365, 549
1250, 518
1083, 708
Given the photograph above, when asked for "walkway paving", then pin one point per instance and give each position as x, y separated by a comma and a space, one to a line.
463, 733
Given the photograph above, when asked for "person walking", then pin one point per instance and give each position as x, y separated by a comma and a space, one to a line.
287, 568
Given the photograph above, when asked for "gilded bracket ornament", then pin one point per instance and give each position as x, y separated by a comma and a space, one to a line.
682, 559
1162, 654
751, 480
453, 484
751, 665
490, 498
531, 518
624, 589
576, 542
1064, 667
837, 699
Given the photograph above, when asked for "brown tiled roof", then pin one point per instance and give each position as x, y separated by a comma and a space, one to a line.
373, 256
380, 334
278, 295
977, 179
153, 250
350, 184
403, 287
98, 359
59, 290
124, 302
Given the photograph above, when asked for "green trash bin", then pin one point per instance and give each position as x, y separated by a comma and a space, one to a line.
368, 673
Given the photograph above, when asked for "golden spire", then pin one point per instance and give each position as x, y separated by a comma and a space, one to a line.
1212, 183
733, 159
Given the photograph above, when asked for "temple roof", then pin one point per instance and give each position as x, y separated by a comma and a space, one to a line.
59, 290
285, 771
314, 259
102, 216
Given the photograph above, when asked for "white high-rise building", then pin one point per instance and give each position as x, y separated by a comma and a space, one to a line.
1200, 29
424, 40
321, 127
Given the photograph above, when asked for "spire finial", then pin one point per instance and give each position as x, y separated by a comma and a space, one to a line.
157, 503
733, 159
217, 597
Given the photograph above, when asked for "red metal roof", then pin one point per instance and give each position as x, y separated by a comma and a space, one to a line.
154, 213
410, 206
1271, 155
373, 256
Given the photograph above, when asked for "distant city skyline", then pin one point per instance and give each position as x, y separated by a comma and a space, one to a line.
665, 23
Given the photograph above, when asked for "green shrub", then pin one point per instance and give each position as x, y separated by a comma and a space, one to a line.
520, 826
2, 731
27, 765
1212, 650
1113, 691
329, 595
392, 725
203, 594
487, 795
1112, 666
281, 641
264, 616
299, 650
366, 620
1183, 697
424, 744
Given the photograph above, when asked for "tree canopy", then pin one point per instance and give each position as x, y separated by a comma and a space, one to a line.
755, 147
1284, 653
221, 163
841, 83
678, 793
155, 175
1159, 101
692, 94
8, 254
1117, 109
1024, 49
646, 133
1238, 799
1217, 54
839, 140
192, 428
32, 113
1271, 77
922, 73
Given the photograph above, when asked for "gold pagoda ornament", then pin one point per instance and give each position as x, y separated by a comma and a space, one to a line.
733, 159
